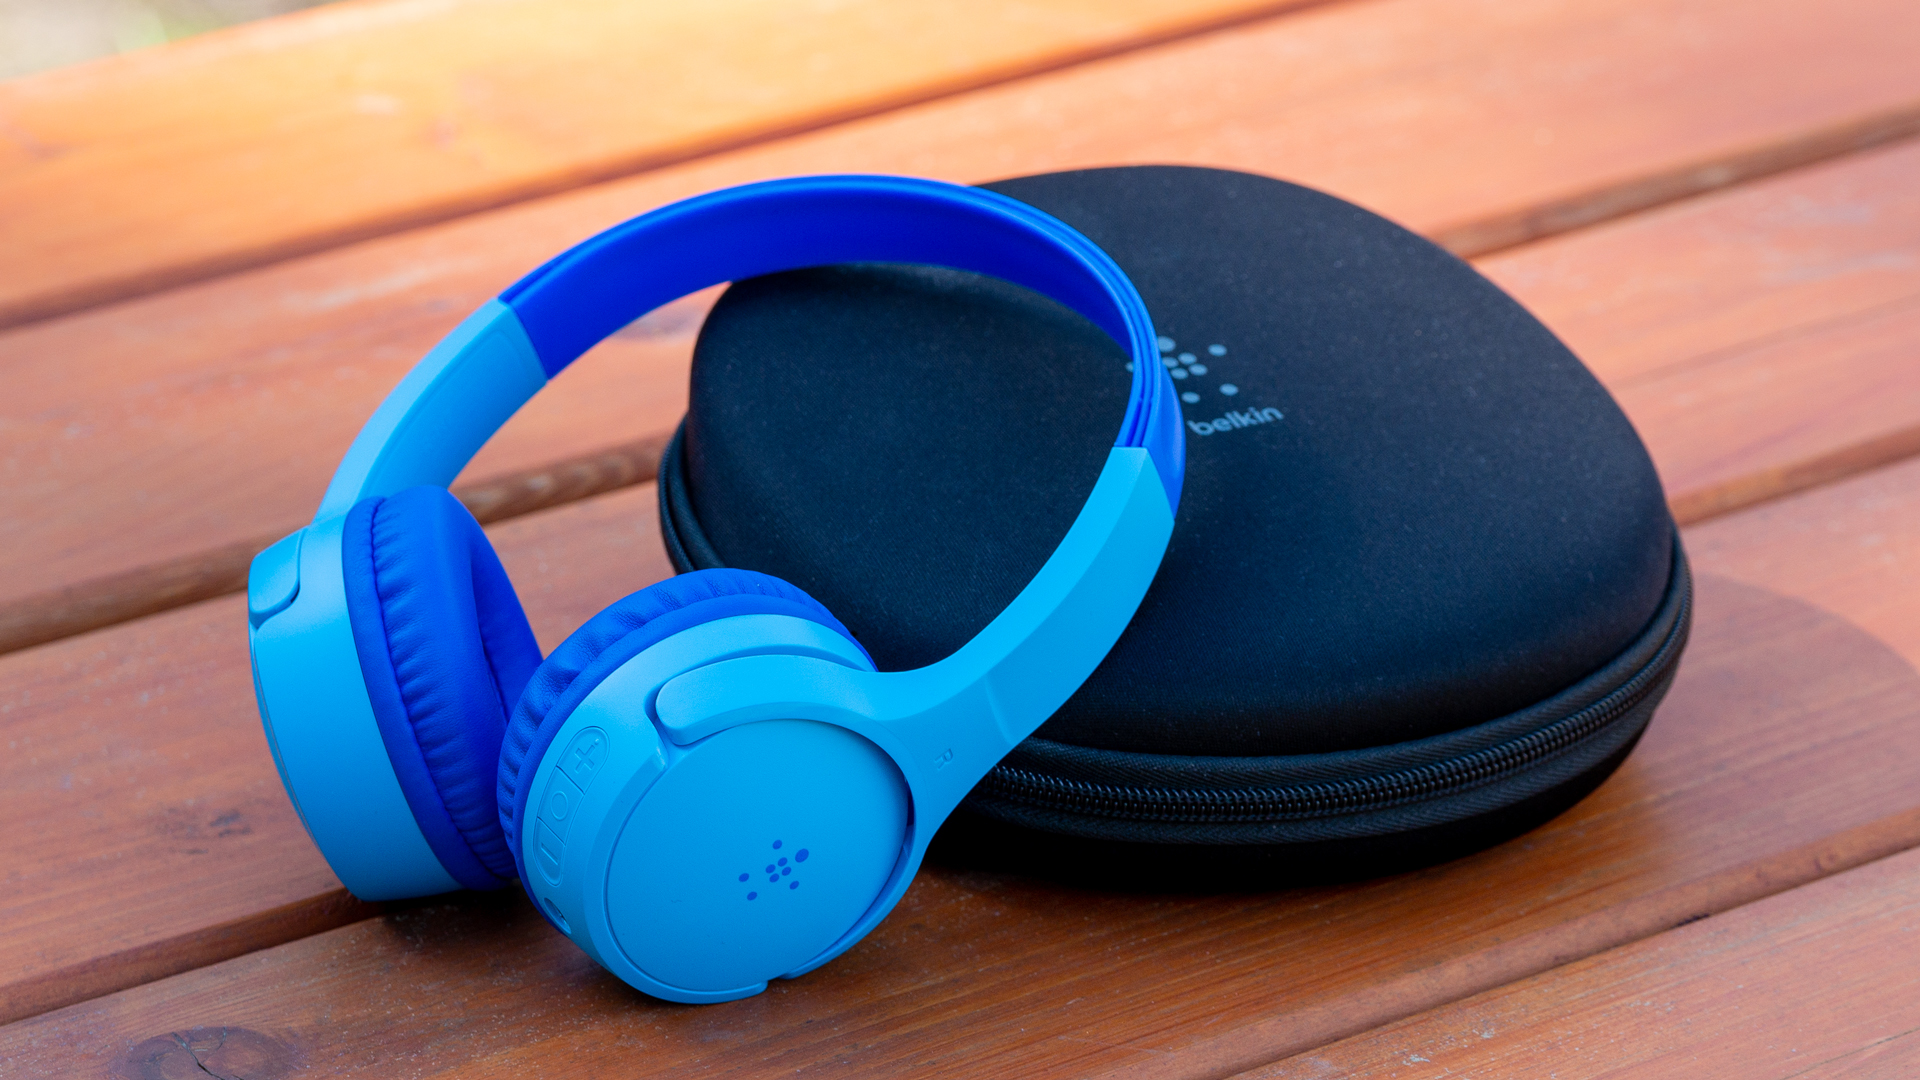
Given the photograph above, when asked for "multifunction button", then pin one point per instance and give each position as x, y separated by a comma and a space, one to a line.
567, 784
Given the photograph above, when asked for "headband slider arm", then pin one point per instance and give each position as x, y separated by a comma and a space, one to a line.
433, 423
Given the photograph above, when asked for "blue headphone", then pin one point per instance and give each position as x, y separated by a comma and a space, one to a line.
708, 784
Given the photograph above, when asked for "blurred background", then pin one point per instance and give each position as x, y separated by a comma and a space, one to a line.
40, 34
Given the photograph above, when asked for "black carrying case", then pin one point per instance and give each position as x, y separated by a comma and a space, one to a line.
1423, 591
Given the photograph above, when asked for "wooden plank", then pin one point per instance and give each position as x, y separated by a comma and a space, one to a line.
1847, 549
642, 339
1761, 339
1785, 752
203, 575
146, 828
1856, 374
1816, 982
152, 432
235, 148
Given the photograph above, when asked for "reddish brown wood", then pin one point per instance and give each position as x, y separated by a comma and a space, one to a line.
1816, 982
1505, 962
203, 575
156, 429
1785, 753
1760, 422
144, 825
1847, 547
1761, 339
138, 172
93, 976
1609, 201
1758, 263
1790, 748
503, 497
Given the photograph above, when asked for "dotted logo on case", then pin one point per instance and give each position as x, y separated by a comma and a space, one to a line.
775, 873
1190, 371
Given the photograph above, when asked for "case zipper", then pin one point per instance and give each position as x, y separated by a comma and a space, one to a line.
1338, 797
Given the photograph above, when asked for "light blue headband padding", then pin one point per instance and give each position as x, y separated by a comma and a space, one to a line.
433, 423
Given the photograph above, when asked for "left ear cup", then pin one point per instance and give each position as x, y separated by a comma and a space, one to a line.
618, 634
445, 651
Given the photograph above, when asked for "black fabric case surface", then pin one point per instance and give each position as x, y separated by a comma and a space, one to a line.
1413, 523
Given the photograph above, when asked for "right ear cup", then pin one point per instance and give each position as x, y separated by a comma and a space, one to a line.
618, 634
445, 651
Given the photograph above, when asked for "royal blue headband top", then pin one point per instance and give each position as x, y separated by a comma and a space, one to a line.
709, 784
441, 413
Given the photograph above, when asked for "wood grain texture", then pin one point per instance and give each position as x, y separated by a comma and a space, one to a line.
1762, 340
1508, 961
1607, 201
1816, 982
148, 432
146, 832
203, 575
1789, 748
141, 171
991, 975
205, 943
1851, 548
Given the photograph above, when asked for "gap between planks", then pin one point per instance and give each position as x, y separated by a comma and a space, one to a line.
1827, 567
104, 601
1237, 1052
156, 960
221, 571
1531, 954
1805, 984
476, 951
647, 465
182, 452
567, 175
185, 952
1151, 31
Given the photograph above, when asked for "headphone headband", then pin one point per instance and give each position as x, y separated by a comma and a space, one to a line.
941, 726
431, 425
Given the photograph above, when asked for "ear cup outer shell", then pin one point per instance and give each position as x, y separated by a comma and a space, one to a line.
756, 852
621, 632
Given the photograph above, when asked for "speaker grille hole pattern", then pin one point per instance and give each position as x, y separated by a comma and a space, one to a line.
781, 869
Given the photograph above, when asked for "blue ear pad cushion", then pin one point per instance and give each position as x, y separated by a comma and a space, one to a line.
618, 634
445, 650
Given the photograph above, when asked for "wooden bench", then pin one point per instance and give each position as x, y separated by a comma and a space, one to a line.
215, 272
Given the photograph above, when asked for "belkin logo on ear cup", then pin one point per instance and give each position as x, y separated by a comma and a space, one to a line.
779, 872
1189, 370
